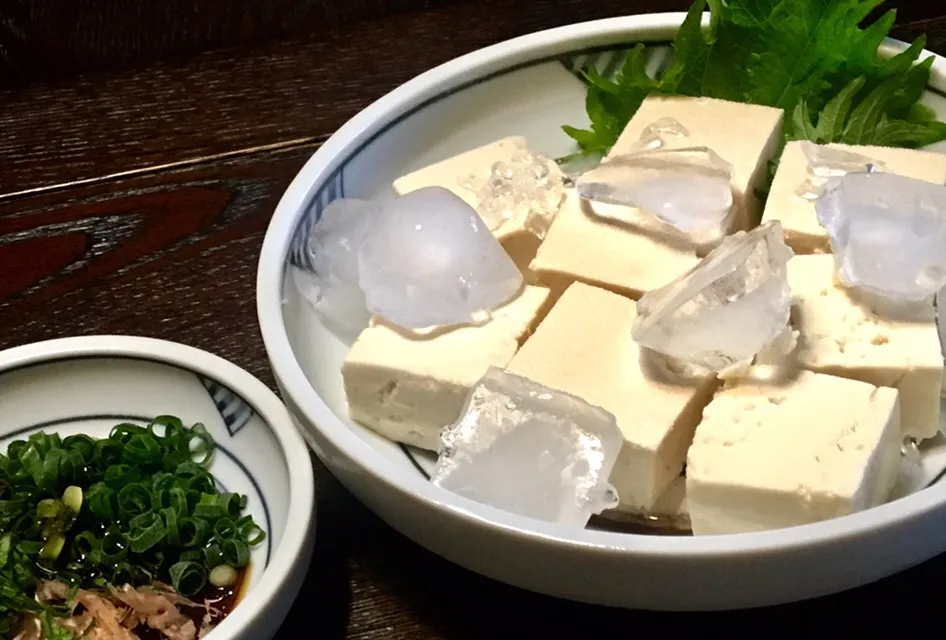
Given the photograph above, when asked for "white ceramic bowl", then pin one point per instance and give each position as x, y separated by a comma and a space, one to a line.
89, 384
527, 86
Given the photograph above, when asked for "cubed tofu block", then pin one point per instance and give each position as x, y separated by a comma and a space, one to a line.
845, 333
581, 246
584, 348
408, 387
803, 232
453, 173
781, 448
745, 135
672, 503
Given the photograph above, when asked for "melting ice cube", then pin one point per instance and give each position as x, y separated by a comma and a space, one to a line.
655, 135
528, 190
826, 162
726, 309
333, 287
688, 188
531, 450
429, 260
888, 233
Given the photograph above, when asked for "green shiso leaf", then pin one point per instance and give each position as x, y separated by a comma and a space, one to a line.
816, 59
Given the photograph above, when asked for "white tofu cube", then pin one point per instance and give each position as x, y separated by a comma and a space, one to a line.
745, 135
782, 448
584, 348
580, 246
454, 174
803, 232
408, 387
845, 333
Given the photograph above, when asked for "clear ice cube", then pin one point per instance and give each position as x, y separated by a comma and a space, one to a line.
528, 190
430, 260
656, 134
826, 162
333, 287
731, 306
689, 188
888, 233
531, 450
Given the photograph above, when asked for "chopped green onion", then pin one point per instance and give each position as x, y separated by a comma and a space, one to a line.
84, 544
213, 556
147, 531
120, 476
235, 552
194, 532
137, 507
103, 502
225, 529
133, 500
252, 533
192, 555
46, 509
114, 546
53, 547
187, 578
223, 576
72, 498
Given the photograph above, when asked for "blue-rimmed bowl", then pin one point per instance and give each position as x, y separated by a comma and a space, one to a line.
90, 384
529, 86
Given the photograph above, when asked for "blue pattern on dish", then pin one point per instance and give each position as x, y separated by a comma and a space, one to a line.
235, 412
333, 189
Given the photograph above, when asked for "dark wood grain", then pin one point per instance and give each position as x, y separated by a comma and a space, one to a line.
220, 103
45, 40
282, 93
170, 251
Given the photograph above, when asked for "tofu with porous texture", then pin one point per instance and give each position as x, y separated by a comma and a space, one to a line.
847, 333
584, 348
581, 246
780, 448
454, 173
803, 232
746, 136
408, 387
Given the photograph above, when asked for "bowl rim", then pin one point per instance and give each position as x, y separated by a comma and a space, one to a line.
269, 407
358, 132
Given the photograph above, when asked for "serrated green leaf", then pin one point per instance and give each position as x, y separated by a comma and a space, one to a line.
833, 117
910, 89
902, 62
921, 113
813, 58
603, 123
801, 126
803, 42
690, 53
587, 140
900, 133
595, 79
866, 116
864, 56
633, 73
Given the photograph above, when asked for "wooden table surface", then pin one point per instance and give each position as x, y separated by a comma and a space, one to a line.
135, 202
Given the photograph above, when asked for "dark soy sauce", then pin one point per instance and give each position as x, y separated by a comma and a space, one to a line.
639, 524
